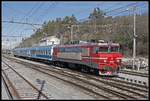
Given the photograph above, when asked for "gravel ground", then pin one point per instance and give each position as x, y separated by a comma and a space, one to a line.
56, 89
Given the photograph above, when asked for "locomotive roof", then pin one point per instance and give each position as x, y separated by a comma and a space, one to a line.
90, 44
35, 47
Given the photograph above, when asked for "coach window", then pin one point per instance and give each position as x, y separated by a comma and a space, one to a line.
44, 52
36, 52
31, 51
39, 51
47, 52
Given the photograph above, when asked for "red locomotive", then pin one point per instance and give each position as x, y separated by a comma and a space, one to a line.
100, 58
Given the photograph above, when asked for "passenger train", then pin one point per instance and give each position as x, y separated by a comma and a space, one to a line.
98, 58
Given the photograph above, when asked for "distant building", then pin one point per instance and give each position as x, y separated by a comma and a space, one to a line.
49, 41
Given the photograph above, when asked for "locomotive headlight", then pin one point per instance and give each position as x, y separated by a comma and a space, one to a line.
105, 61
118, 60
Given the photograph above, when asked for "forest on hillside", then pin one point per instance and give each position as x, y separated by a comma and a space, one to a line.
98, 27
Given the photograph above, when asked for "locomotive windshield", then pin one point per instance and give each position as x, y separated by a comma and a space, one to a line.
114, 49
103, 49
106, 49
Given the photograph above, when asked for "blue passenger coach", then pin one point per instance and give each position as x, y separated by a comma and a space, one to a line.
40, 52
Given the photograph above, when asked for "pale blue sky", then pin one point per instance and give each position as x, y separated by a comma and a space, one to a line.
40, 11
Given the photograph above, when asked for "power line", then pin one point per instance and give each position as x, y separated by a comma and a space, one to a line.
32, 12
121, 7
10, 36
23, 18
48, 9
121, 12
21, 23
13, 9
110, 11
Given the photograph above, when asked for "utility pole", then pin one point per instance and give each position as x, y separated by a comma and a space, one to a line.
134, 38
71, 37
61, 39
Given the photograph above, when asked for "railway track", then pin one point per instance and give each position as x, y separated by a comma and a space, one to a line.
134, 73
6, 87
63, 78
125, 86
116, 79
20, 87
123, 91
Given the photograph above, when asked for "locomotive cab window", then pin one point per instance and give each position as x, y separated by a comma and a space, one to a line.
103, 49
114, 49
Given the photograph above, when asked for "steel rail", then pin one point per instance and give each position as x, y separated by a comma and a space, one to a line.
13, 92
7, 89
27, 81
122, 95
108, 83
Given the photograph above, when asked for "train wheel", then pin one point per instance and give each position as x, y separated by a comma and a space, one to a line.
85, 69
96, 72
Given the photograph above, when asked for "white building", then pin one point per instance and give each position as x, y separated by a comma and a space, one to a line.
49, 41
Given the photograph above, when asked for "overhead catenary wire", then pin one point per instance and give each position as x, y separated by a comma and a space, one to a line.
21, 23
10, 30
15, 10
125, 10
33, 9
46, 12
33, 12
107, 11
114, 9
